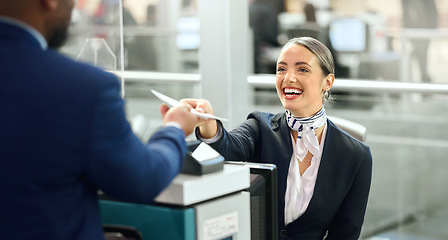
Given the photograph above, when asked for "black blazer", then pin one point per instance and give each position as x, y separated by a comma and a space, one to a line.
342, 187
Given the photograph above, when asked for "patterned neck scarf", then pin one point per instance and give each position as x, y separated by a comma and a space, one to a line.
306, 139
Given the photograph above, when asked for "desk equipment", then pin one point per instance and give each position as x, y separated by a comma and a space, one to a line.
263, 200
202, 159
238, 202
192, 207
348, 35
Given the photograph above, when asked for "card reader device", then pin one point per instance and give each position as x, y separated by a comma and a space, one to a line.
202, 159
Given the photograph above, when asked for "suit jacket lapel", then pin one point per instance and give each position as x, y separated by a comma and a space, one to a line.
328, 169
281, 129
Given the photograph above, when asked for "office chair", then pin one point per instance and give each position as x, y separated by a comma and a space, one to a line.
356, 130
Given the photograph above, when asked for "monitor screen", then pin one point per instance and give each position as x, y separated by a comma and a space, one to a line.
348, 35
263, 200
188, 33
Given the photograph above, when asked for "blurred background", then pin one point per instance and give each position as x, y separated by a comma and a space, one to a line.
391, 58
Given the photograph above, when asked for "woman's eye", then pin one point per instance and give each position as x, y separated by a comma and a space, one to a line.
280, 69
303, 70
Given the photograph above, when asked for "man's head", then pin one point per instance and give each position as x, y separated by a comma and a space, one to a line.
50, 17
58, 22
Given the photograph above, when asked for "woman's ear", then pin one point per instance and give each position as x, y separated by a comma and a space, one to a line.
328, 82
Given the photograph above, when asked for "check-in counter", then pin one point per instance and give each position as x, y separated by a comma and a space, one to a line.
210, 206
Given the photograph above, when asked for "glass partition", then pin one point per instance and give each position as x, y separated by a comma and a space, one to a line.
95, 34
161, 36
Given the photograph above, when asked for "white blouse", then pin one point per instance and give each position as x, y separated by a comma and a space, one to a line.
300, 189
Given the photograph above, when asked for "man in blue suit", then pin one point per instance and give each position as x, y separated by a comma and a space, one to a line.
64, 133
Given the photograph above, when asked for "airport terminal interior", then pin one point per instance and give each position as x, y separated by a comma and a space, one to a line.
390, 79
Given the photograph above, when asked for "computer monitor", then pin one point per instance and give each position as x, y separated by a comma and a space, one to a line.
188, 33
348, 35
263, 200
304, 32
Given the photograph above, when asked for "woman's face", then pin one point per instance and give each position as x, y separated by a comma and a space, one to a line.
300, 82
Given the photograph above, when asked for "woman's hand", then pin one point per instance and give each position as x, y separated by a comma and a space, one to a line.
207, 128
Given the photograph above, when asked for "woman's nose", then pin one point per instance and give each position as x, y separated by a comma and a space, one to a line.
290, 78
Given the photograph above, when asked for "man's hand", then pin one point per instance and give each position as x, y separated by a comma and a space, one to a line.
180, 115
207, 128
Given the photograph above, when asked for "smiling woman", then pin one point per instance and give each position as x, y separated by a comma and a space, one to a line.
324, 174
304, 74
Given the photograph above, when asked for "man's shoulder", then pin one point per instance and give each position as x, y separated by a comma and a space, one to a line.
64, 60
59, 64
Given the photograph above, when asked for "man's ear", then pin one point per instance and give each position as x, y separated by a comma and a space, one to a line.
50, 4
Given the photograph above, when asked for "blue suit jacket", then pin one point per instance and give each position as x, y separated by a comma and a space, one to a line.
343, 181
63, 136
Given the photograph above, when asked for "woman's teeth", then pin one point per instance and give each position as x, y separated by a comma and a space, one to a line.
292, 91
